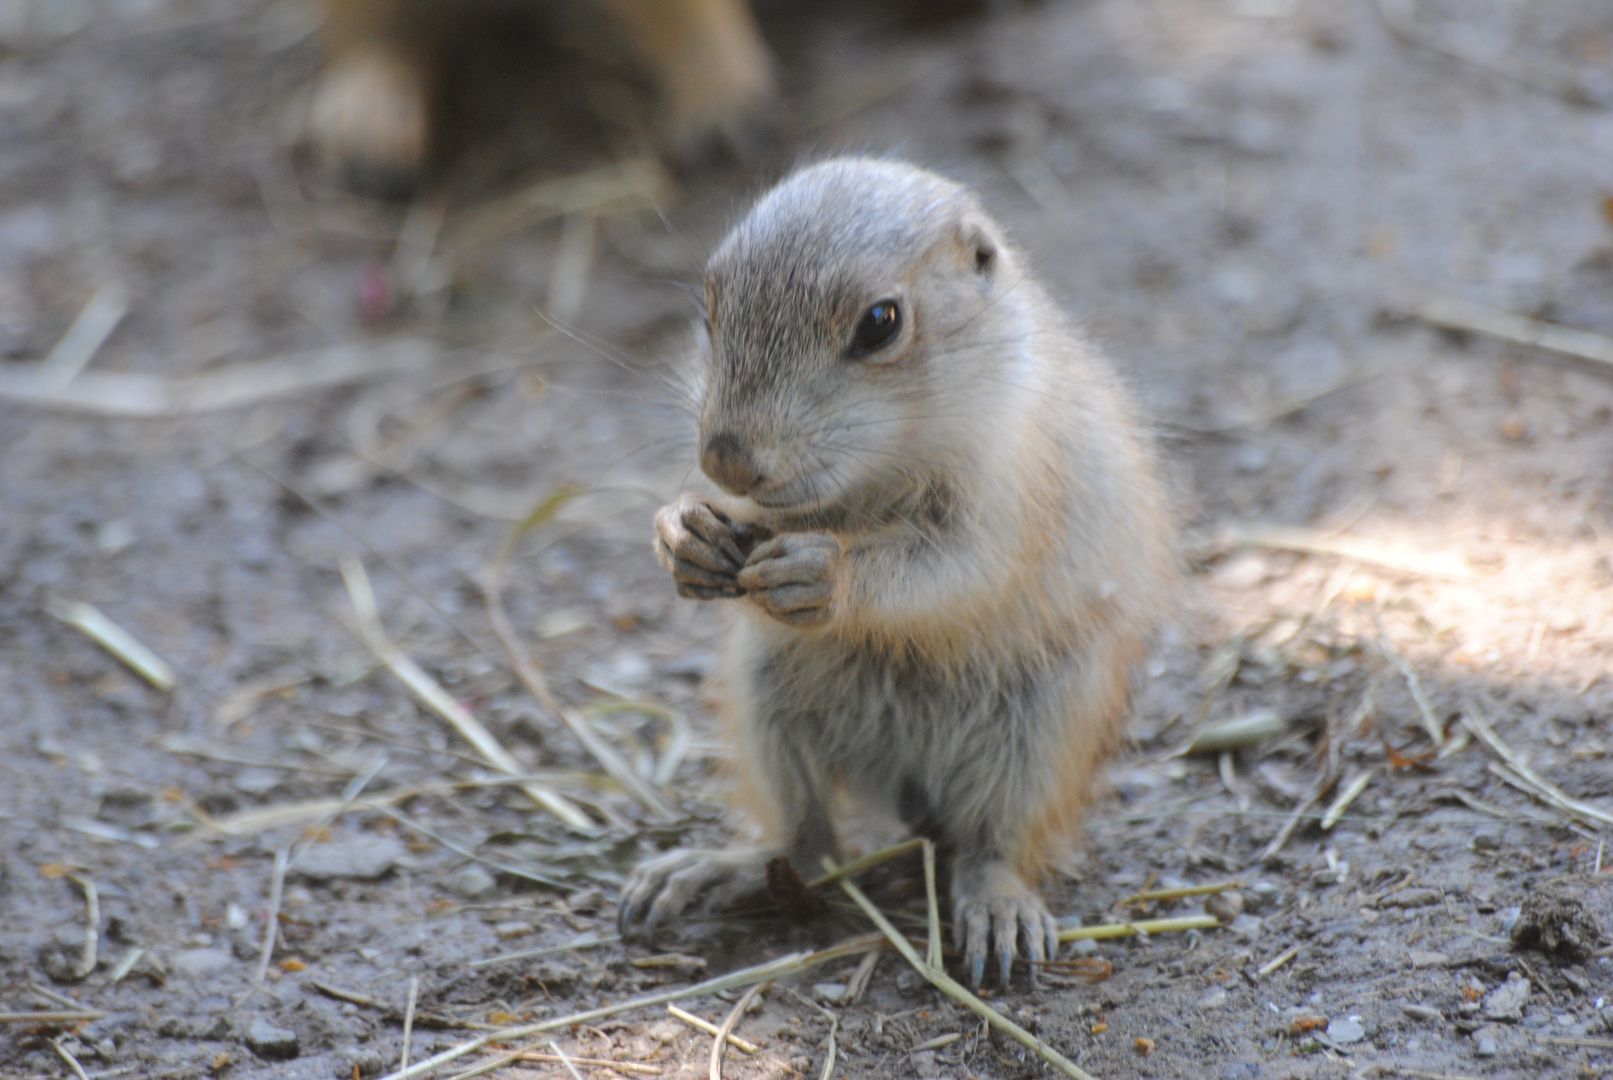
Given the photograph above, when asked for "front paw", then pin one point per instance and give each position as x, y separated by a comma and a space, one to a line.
663, 888
369, 120
993, 906
792, 577
702, 548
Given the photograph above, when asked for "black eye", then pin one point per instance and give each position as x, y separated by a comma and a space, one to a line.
876, 329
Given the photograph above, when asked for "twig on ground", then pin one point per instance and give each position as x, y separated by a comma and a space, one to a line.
92, 928
60, 1016
831, 1050
932, 909
620, 1066
431, 693
1353, 548
1277, 961
1519, 329
90, 621
1425, 710
773, 969
701, 1024
956, 990
94, 324
532, 678
1238, 733
72, 1062
872, 859
1526, 777
1139, 926
719, 1041
1351, 792
585, 943
1179, 893
857, 985
408, 1020
148, 397
572, 1069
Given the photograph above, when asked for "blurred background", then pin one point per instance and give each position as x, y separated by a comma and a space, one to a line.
1356, 260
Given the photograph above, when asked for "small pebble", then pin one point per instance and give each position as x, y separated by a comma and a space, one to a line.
362, 858
203, 963
1225, 906
1213, 998
586, 901
1487, 1047
268, 1041
1420, 1012
1506, 1001
830, 992
471, 882
1346, 1031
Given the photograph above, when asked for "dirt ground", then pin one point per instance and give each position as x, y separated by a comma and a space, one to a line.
1246, 201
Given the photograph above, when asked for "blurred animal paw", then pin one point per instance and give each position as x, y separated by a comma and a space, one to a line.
369, 120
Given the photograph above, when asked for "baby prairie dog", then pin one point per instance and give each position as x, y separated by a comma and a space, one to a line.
943, 540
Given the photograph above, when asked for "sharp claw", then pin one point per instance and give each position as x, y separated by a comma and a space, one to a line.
977, 971
1005, 964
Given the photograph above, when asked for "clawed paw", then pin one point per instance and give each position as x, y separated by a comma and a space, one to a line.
792, 577
995, 911
369, 119
702, 548
663, 888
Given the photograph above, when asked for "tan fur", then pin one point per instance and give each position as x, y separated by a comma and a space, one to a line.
969, 544
373, 110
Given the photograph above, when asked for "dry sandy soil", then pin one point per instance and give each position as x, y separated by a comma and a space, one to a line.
1247, 201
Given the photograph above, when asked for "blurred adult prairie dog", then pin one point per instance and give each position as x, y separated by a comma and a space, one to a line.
943, 535
373, 112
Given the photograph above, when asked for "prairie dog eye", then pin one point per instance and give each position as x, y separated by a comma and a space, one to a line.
876, 329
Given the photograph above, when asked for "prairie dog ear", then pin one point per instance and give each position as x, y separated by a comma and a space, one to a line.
979, 247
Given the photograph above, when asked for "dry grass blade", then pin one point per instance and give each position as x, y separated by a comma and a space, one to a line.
90, 621
1277, 961
868, 861
47, 1017
1089, 969
831, 1050
95, 323
1178, 893
1425, 710
857, 985
1541, 787
1354, 548
1140, 926
72, 1062
957, 991
408, 1020
149, 397
700, 1024
603, 752
720, 1040
634, 184
1238, 733
1351, 792
586, 943
437, 699
92, 928
932, 909
567, 1062
620, 1066
1520, 329
773, 969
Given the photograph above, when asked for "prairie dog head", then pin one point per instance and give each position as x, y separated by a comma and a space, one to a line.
862, 330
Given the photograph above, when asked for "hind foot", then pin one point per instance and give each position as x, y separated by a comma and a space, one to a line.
993, 908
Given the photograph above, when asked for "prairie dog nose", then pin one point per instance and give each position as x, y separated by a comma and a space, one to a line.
729, 462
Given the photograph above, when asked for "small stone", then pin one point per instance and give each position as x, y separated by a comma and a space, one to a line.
1506, 1001
203, 963
256, 780
268, 1041
214, 1030
362, 858
1423, 958
1346, 1031
586, 901
1410, 898
360, 1061
1421, 1012
830, 992
1485, 1042
1213, 998
925, 1065
1246, 927
512, 929
471, 882
1225, 906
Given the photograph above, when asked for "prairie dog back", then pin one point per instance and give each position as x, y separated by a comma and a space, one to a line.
943, 530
